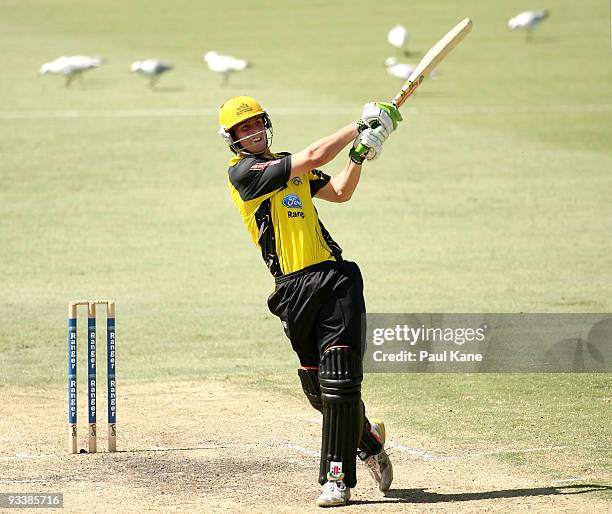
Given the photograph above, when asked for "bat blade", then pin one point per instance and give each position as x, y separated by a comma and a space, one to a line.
432, 58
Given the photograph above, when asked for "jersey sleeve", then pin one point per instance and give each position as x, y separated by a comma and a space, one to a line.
317, 179
253, 177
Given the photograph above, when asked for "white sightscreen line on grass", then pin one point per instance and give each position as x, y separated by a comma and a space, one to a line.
450, 110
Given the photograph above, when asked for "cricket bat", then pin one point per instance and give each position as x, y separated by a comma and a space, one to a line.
431, 59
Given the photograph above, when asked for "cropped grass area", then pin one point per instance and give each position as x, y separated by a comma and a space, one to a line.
551, 424
494, 196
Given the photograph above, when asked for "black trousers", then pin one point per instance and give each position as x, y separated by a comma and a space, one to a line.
321, 307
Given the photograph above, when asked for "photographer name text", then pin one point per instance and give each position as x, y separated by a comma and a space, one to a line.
425, 356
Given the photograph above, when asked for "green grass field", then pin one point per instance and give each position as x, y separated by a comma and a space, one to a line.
494, 196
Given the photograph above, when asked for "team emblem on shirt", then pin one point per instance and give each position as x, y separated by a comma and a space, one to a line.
297, 181
292, 201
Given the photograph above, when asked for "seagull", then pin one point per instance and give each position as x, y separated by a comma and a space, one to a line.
153, 68
398, 37
71, 66
397, 69
528, 20
224, 64
401, 70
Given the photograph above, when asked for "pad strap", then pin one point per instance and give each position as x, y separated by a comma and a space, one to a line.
310, 386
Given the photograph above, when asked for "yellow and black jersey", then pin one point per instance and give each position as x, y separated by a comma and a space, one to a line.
279, 214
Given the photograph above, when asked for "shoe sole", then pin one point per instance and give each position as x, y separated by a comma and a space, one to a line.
336, 504
383, 437
339, 504
386, 487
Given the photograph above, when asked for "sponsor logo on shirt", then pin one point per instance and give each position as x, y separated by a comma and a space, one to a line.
258, 166
292, 201
297, 181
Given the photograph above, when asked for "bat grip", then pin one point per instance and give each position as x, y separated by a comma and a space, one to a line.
361, 149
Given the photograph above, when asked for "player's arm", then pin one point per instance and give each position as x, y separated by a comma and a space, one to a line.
257, 178
385, 118
322, 151
341, 187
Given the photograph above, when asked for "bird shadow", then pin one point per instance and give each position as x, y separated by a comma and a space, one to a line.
87, 85
413, 54
424, 496
168, 89
544, 40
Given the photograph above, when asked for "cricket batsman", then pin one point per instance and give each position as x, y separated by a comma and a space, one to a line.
318, 295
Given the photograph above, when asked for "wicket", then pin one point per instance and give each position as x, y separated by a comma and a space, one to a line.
91, 374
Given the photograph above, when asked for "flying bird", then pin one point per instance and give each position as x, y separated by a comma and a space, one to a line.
71, 67
152, 68
225, 64
398, 37
528, 20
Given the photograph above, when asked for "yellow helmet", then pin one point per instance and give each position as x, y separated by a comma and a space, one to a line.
236, 110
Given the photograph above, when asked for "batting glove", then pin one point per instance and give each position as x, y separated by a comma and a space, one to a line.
381, 113
372, 140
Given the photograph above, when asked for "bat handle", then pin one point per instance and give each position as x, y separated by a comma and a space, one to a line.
361, 150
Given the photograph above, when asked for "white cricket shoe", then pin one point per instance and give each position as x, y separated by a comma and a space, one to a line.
334, 493
379, 465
